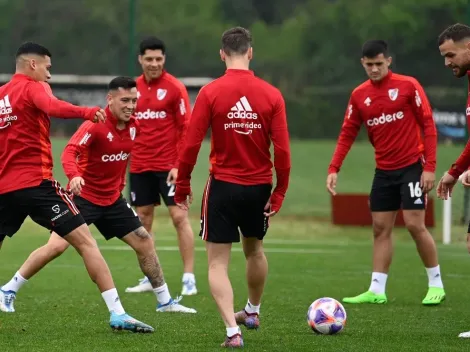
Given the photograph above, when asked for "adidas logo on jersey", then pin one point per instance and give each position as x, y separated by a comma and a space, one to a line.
418, 201
242, 110
5, 106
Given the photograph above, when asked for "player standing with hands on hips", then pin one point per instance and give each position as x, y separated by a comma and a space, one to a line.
398, 117
245, 114
162, 111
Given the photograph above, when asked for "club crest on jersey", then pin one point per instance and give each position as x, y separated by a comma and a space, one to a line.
132, 132
161, 94
110, 136
393, 94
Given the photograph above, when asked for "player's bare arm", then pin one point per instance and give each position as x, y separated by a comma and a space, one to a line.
76, 185
427, 181
172, 176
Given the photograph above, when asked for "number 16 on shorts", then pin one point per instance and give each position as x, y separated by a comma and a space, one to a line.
416, 193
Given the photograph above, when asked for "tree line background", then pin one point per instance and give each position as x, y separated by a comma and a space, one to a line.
310, 49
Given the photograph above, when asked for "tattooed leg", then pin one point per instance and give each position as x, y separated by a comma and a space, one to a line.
142, 243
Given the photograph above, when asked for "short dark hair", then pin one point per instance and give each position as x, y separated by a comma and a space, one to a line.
375, 47
32, 48
122, 82
236, 41
456, 33
151, 43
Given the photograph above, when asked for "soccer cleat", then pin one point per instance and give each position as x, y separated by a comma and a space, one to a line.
189, 288
126, 322
367, 297
7, 298
434, 296
465, 335
235, 341
143, 286
174, 306
250, 320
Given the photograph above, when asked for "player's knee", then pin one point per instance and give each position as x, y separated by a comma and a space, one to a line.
57, 248
145, 214
381, 229
416, 228
179, 219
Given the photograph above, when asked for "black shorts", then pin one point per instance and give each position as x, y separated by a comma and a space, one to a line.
48, 204
228, 207
115, 220
147, 187
395, 189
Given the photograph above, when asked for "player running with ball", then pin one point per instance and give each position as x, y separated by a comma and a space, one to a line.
400, 126
95, 161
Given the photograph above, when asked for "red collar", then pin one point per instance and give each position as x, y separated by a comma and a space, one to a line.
235, 71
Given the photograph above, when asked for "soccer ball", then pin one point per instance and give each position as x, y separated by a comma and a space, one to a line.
326, 316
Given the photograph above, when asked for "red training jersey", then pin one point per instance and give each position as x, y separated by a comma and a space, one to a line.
463, 162
399, 122
99, 154
25, 146
245, 113
467, 111
162, 110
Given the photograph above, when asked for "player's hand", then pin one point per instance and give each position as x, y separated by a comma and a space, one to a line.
427, 181
331, 183
445, 186
76, 185
465, 178
468, 242
267, 210
185, 204
172, 176
100, 116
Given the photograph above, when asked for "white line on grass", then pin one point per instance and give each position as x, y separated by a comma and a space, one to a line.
235, 249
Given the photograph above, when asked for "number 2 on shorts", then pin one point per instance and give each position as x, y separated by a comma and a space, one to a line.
415, 190
171, 191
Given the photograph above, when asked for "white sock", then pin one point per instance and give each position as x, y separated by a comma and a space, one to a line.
189, 277
15, 283
163, 294
111, 298
251, 308
378, 282
233, 331
434, 276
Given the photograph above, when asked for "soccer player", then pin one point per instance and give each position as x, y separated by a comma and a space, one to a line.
454, 45
398, 117
28, 187
162, 110
244, 113
95, 161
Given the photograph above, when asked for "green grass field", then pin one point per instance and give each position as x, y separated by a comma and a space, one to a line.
60, 310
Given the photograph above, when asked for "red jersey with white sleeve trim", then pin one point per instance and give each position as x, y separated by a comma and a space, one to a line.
99, 154
162, 110
25, 146
399, 122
